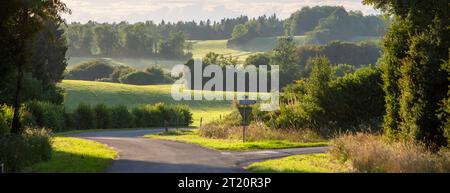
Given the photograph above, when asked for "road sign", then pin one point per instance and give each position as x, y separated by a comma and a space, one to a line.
245, 113
247, 102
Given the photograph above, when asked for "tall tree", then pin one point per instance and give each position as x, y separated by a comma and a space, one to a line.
285, 55
20, 21
415, 48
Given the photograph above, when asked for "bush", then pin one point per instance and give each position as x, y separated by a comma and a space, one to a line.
121, 117
151, 76
120, 71
45, 115
257, 132
102, 116
160, 115
6, 116
91, 70
328, 104
370, 153
84, 117
20, 151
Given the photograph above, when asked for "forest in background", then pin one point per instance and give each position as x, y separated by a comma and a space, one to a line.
168, 40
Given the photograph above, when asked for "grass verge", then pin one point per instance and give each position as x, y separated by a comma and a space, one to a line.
191, 136
72, 155
313, 163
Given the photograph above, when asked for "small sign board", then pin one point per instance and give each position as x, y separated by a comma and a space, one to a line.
245, 113
247, 102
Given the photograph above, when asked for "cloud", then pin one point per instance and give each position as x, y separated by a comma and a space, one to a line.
176, 10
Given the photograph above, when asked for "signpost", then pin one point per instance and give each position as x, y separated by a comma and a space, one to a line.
246, 111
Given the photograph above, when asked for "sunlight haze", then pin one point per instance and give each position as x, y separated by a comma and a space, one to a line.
188, 10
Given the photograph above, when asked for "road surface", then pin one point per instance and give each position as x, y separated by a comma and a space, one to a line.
143, 155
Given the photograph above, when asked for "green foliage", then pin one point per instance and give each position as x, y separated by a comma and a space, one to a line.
121, 117
103, 71
91, 70
103, 117
258, 27
415, 48
162, 115
307, 19
151, 76
6, 115
262, 59
20, 151
343, 25
328, 103
46, 115
445, 115
84, 117
31, 43
284, 55
120, 71
142, 40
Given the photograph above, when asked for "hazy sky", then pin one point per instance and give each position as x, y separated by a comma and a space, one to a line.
183, 10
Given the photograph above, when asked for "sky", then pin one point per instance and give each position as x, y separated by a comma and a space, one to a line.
188, 10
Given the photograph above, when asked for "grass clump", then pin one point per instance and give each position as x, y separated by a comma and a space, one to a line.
370, 153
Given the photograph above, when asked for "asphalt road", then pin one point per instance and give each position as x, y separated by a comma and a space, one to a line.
143, 155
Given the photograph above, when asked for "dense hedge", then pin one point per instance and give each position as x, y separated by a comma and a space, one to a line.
37, 114
44, 114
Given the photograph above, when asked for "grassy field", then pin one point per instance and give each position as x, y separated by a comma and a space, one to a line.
72, 155
314, 163
202, 47
121, 94
264, 44
189, 136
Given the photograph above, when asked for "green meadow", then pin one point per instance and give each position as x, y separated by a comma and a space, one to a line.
90, 92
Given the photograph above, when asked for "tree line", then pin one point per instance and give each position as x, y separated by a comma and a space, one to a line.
320, 24
126, 40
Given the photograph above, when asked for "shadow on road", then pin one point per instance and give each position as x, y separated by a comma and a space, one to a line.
134, 166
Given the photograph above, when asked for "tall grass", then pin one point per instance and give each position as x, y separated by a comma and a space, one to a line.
257, 132
370, 153
20, 151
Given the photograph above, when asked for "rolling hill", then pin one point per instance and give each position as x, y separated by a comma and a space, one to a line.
121, 94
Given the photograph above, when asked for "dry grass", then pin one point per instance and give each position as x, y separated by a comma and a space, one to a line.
370, 153
257, 132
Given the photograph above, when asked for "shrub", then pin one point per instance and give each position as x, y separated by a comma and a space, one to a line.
121, 117
6, 115
91, 70
120, 71
258, 132
20, 151
102, 116
150, 76
328, 104
160, 114
45, 114
84, 117
140, 115
258, 60
370, 153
